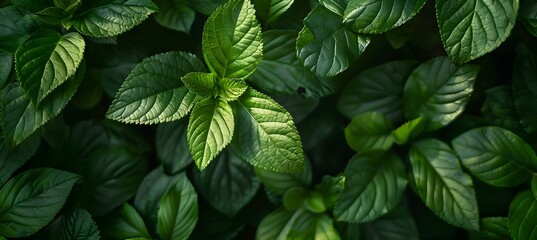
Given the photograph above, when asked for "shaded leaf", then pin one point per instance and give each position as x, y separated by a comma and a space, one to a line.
369, 131
523, 216
13, 159
175, 14
270, 10
126, 223
398, 224
78, 225
410, 129
172, 146
525, 89
178, 211
278, 183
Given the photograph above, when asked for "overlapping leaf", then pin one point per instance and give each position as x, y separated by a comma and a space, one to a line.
13, 159
270, 10
126, 223
172, 146
398, 224
78, 225
178, 211
525, 89
175, 14
523, 216
369, 131
278, 183
528, 16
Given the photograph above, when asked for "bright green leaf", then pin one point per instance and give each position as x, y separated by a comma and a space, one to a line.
231, 88
178, 211
270, 10
492, 228
279, 183
408, 130
202, 84
21, 210
336, 6
267, 136
210, 130
528, 16
378, 16
472, 28
300, 224
13, 159
325, 46
438, 90
273, 225
374, 185
369, 131
172, 146
153, 92
294, 198
78, 225
523, 216
125, 223
496, 156
112, 17
525, 89
442, 185
398, 224
232, 40
175, 14
46, 60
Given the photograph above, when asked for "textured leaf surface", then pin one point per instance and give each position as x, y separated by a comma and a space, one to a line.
172, 146
398, 224
210, 129
492, 228
106, 18
378, 16
78, 225
270, 10
46, 60
325, 46
202, 84
178, 211
378, 89
374, 185
472, 28
281, 72
496, 156
16, 26
153, 92
13, 159
438, 90
175, 14
126, 224
442, 185
369, 131
408, 130
525, 89
278, 183
21, 211
232, 40
273, 226
534, 185
267, 136
336, 6
528, 16
523, 216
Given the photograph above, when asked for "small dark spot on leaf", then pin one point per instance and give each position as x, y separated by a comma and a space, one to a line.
301, 90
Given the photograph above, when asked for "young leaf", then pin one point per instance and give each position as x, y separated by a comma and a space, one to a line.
15, 27
175, 14
523, 216
325, 46
369, 131
178, 211
470, 29
442, 185
279, 183
21, 211
220, 182
232, 40
492, 228
408, 130
231, 88
438, 90
13, 159
126, 223
528, 16
46, 60
78, 225
398, 224
202, 84
377, 89
112, 17
281, 72
210, 129
272, 9
374, 185
525, 89
496, 156
172, 146
378, 16
153, 92
267, 136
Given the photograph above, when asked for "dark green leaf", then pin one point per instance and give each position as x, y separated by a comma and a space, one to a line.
178, 211
336, 6
499, 108
270, 10
442, 185
175, 14
438, 90
266, 135
13, 159
221, 182
472, 28
78, 225
369, 131
398, 224
525, 89
205, 7
21, 210
378, 89
325, 46
6, 64
496, 156
378, 16
523, 216
153, 92
126, 223
274, 225
534, 185
280, 182
528, 16
374, 185
232, 40
408, 130
15, 27
172, 146
492, 228
56, 133
112, 17
52, 15
32, 6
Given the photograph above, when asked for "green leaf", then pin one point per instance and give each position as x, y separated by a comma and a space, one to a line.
398, 224
273, 226
499, 108
408, 130
232, 40
374, 185
378, 16
369, 131
206, 7
534, 185
178, 211
125, 223
281, 72
272, 9
175, 14
13, 159
472, 28
528, 16
279, 183
325, 46
67, 5
20, 117
523, 216
492, 228
112, 17
32, 6
52, 15
331, 188
230, 89
377, 89
301, 224
220, 182
525, 89
172, 146
202, 84
6, 64
153, 92
496, 156
210, 129
267, 137
46, 60
438, 90
78, 225
442, 185
21, 210
336, 6
56, 133
15, 27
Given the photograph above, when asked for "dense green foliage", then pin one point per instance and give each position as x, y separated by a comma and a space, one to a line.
268, 119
